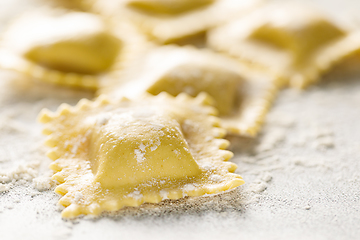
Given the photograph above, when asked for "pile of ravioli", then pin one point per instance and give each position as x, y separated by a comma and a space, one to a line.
172, 79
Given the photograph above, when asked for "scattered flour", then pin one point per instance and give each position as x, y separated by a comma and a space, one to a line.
324, 143
215, 178
140, 156
4, 188
272, 139
260, 184
266, 177
257, 186
176, 152
164, 194
135, 195
315, 136
142, 147
103, 119
79, 197
189, 187
9, 125
311, 163
155, 144
25, 172
74, 149
260, 172
42, 183
282, 120
141, 151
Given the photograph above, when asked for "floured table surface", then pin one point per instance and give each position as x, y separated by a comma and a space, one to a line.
302, 174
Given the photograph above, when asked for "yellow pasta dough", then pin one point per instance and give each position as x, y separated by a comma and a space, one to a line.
175, 21
242, 98
293, 42
78, 5
167, 7
68, 48
108, 155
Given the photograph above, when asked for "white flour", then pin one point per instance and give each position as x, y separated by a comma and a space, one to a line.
303, 167
302, 174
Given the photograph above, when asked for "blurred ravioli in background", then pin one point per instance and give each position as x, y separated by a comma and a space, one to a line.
242, 97
291, 41
64, 47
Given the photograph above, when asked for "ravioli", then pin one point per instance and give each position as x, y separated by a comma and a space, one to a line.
109, 155
69, 48
289, 41
176, 22
241, 97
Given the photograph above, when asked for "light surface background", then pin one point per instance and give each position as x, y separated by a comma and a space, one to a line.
297, 185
